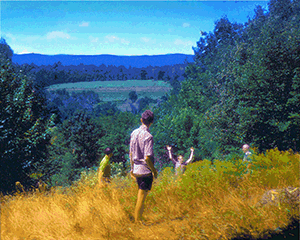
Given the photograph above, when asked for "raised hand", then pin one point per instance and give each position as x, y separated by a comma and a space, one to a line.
169, 148
192, 149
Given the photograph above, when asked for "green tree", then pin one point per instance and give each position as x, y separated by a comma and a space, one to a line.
243, 85
133, 96
143, 74
161, 75
24, 126
74, 148
117, 133
85, 133
6, 52
255, 82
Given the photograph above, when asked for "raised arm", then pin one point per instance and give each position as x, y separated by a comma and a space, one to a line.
170, 154
191, 156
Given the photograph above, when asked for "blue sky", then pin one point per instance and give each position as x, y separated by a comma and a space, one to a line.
114, 27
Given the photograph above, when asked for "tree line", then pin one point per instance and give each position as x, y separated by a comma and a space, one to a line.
243, 87
58, 73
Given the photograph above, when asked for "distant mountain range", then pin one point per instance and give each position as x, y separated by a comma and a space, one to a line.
133, 61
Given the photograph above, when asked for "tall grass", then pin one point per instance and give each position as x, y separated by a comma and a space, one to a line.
208, 202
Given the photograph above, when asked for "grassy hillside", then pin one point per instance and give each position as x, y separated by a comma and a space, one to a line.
218, 201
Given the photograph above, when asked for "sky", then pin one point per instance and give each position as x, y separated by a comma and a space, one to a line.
114, 27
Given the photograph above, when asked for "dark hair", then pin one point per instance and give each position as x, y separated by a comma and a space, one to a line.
107, 151
147, 117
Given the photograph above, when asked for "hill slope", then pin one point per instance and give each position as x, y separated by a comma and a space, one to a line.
134, 61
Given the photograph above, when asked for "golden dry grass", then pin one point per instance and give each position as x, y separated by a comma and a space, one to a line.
205, 203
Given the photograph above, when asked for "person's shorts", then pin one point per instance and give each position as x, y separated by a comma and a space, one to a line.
144, 183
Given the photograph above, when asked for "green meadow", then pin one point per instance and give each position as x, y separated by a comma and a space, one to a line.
118, 90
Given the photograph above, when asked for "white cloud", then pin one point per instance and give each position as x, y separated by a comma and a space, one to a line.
148, 40
84, 24
93, 39
58, 34
111, 38
124, 41
10, 36
114, 39
186, 25
24, 51
184, 43
145, 39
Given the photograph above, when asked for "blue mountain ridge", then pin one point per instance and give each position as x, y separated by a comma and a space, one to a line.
97, 60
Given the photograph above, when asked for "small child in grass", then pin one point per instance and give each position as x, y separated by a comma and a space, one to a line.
245, 149
104, 169
247, 158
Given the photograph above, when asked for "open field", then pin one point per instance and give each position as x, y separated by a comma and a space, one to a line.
118, 90
208, 202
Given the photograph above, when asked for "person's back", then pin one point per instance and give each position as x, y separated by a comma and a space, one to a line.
104, 168
142, 161
140, 146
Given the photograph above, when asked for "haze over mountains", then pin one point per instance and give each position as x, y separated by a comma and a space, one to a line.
126, 61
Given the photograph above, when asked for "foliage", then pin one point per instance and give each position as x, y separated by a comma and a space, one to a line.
6, 52
65, 99
66, 104
74, 147
24, 127
242, 88
58, 73
117, 134
133, 96
78, 144
255, 105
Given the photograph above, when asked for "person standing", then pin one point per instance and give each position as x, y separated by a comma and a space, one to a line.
142, 161
104, 169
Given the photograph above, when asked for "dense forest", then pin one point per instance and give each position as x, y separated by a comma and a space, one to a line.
243, 87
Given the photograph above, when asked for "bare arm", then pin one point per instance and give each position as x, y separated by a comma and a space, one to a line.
131, 161
191, 156
151, 166
170, 154
171, 157
131, 164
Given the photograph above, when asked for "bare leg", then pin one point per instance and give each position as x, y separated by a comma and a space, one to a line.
140, 204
